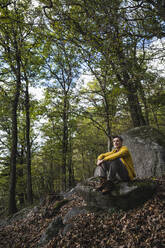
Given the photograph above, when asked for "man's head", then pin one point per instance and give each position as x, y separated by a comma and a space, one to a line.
117, 141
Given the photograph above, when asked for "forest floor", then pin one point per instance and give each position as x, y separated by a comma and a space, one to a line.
143, 227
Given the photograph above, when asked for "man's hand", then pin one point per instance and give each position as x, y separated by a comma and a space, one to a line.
99, 162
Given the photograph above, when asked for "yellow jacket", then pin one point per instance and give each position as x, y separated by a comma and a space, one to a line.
125, 157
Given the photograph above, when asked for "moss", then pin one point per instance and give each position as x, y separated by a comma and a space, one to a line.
132, 200
145, 188
140, 183
117, 188
143, 184
59, 204
146, 132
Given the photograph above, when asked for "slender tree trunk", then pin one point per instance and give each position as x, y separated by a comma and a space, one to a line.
83, 165
109, 143
51, 176
107, 113
70, 179
70, 167
20, 174
12, 184
108, 124
64, 142
155, 119
28, 146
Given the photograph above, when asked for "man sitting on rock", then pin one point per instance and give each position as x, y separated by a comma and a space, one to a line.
114, 165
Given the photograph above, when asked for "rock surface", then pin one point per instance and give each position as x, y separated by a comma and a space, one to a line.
52, 230
124, 195
147, 146
61, 225
73, 212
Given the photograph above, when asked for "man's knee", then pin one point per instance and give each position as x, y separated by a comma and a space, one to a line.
116, 162
100, 171
117, 168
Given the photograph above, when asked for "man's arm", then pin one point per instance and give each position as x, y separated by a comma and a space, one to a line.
121, 153
103, 155
99, 162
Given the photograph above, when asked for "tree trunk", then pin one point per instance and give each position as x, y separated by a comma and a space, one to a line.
71, 180
108, 124
131, 90
143, 97
28, 146
135, 108
12, 184
20, 174
109, 143
133, 101
107, 113
64, 142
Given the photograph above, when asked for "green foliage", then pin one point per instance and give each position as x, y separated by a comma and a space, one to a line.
57, 42
88, 143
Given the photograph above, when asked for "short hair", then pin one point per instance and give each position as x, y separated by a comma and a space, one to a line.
119, 137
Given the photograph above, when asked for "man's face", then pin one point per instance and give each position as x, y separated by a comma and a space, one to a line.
117, 143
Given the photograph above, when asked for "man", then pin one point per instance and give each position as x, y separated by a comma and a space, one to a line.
113, 165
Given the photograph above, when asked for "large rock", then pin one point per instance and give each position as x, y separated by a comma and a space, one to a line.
52, 230
72, 213
124, 195
147, 146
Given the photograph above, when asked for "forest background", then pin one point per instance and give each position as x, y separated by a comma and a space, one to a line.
49, 143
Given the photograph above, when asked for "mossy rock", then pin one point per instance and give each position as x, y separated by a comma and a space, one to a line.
59, 204
147, 147
138, 193
124, 195
147, 133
